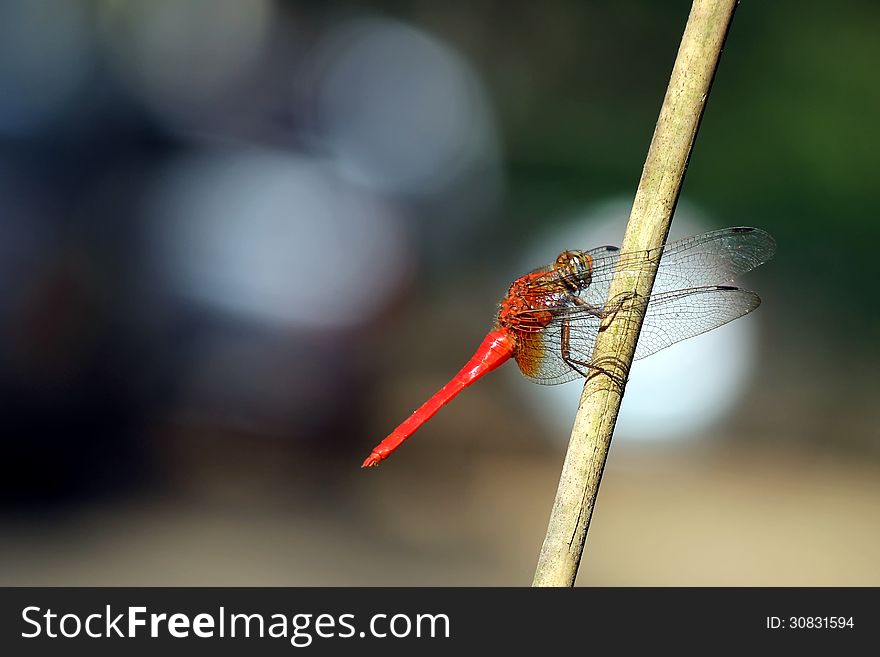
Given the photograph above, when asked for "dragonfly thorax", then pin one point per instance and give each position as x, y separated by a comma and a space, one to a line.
528, 306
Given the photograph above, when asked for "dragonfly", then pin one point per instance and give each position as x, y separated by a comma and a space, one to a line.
549, 319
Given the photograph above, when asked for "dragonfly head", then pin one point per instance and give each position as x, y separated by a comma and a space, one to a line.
575, 265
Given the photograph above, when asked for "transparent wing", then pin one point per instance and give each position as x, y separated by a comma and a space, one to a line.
540, 354
713, 258
681, 314
670, 317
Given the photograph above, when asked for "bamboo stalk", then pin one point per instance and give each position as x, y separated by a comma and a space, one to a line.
648, 225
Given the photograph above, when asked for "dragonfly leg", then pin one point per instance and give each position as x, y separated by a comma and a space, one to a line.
590, 308
580, 366
615, 307
609, 312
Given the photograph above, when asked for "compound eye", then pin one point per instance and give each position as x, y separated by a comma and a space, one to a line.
565, 260
575, 263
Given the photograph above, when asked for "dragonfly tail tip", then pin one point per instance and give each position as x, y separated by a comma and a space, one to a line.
371, 461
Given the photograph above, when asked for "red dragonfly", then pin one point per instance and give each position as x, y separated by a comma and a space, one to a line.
549, 319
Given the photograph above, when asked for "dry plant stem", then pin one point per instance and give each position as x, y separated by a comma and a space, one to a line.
648, 226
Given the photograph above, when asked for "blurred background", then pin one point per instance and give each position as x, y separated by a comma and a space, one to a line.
240, 241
